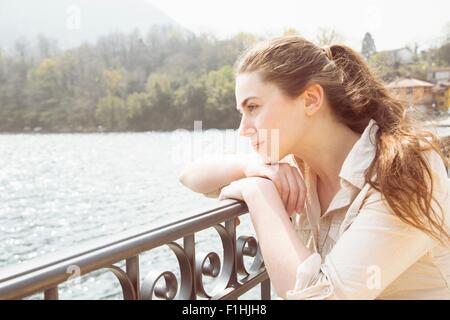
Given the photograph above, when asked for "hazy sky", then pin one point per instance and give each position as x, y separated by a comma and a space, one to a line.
393, 23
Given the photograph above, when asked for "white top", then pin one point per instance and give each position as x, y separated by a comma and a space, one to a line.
361, 249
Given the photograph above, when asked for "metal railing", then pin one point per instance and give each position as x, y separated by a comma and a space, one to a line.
46, 273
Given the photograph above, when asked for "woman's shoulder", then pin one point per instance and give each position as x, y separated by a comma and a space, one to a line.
440, 181
438, 170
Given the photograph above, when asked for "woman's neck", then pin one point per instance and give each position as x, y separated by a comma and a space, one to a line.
327, 153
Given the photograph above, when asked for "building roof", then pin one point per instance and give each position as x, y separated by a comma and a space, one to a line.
408, 83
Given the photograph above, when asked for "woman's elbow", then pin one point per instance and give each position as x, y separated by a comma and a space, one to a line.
187, 179
184, 178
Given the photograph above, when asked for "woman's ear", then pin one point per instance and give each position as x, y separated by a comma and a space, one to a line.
314, 96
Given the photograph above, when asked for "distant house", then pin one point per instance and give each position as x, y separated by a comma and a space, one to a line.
416, 93
441, 96
439, 75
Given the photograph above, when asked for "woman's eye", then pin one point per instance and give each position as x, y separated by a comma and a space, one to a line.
251, 107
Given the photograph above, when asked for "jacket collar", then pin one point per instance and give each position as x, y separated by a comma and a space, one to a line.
360, 156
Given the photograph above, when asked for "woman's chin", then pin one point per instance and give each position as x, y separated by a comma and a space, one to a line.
268, 159
265, 155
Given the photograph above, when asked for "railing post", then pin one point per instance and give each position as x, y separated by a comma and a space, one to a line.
265, 290
189, 248
230, 226
51, 294
132, 270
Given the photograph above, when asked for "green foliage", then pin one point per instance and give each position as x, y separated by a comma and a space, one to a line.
291, 31
221, 103
388, 68
112, 113
443, 54
163, 80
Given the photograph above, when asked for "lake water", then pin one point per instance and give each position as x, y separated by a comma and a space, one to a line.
58, 190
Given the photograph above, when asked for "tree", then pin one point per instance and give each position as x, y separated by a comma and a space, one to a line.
446, 31
45, 89
291, 31
138, 109
327, 36
443, 54
380, 63
221, 98
190, 103
112, 113
46, 48
161, 113
368, 46
115, 82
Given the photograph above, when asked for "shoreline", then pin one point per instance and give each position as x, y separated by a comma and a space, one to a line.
440, 122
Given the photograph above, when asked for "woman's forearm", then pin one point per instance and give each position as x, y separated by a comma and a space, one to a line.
282, 250
212, 172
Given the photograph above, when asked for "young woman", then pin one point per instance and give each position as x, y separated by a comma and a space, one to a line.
351, 200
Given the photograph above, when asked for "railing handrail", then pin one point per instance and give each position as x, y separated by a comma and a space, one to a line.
50, 270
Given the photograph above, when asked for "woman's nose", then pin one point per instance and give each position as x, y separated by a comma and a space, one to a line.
245, 129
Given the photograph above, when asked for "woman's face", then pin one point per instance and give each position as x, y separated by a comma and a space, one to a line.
271, 120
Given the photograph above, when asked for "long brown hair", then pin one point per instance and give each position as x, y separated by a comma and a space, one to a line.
356, 95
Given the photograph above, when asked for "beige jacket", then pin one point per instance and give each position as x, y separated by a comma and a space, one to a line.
361, 249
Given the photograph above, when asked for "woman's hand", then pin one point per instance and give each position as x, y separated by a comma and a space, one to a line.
287, 180
239, 189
